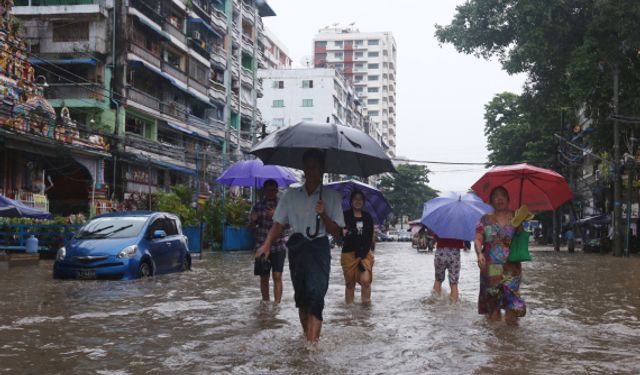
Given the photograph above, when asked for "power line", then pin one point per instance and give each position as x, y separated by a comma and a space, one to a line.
436, 162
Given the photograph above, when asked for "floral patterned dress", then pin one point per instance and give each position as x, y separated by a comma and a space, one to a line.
500, 279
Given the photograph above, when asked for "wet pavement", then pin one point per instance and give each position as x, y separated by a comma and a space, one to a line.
583, 317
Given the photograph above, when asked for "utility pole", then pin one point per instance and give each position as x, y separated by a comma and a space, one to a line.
617, 208
554, 223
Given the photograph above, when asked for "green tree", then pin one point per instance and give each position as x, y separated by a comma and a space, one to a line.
511, 136
407, 189
569, 50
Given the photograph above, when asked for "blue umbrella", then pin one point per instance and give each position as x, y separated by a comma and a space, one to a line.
255, 173
375, 203
454, 215
13, 208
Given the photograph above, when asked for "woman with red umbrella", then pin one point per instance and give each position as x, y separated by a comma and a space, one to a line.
499, 279
507, 188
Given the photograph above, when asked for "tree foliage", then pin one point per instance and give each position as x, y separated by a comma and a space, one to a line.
569, 49
407, 189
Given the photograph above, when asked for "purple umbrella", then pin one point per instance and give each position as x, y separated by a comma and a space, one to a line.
13, 208
375, 203
255, 173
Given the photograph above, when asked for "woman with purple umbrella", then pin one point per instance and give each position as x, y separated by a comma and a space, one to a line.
357, 250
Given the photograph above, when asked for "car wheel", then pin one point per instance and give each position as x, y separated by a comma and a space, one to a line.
145, 270
186, 263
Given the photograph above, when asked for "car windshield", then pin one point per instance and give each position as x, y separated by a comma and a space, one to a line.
112, 227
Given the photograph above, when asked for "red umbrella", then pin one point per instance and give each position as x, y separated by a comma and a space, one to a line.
540, 189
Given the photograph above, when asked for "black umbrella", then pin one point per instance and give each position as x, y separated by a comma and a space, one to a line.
346, 150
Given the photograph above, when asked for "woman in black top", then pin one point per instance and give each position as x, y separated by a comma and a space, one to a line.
357, 250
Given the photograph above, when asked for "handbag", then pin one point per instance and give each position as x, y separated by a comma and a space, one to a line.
519, 247
261, 266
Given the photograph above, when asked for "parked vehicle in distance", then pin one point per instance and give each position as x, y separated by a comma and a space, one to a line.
404, 236
393, 235
125, 245
381, 237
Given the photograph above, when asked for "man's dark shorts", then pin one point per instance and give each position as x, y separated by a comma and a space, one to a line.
277, 261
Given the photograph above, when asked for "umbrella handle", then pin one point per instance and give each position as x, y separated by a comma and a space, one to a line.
315, 234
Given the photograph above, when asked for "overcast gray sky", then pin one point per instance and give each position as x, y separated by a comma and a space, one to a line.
441, 93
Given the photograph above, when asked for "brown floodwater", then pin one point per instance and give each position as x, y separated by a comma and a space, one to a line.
583, 317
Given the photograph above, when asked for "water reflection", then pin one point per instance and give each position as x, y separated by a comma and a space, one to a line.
583, 317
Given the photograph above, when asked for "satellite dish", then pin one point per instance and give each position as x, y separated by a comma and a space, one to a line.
306, 61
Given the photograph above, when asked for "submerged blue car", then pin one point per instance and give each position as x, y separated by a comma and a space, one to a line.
125, 245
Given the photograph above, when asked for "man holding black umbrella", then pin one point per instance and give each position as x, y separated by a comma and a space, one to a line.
309, 253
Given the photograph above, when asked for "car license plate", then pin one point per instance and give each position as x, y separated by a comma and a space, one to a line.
86, 274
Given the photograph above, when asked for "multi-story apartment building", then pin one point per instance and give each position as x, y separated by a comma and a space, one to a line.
369, 61
312, 94
276, 54
175, 82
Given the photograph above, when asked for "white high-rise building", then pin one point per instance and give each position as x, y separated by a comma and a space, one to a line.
369, 61
310, 94
276, 54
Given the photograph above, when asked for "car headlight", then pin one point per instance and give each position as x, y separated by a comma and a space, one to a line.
62, 253
128, 251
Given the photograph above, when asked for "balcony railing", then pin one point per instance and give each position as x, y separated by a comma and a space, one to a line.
219, 20
75, 91
198, 122
217, 91
218, 55
145, 54
175, 32
145, 7
198, 86
247, 76
174, 72
143, 98
248, 12
175, 110
147, 145
202, 51
54, 2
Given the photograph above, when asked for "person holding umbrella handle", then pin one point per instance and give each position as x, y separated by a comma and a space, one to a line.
499, 278
309, 256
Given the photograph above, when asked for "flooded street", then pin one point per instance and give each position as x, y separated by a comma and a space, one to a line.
583, 317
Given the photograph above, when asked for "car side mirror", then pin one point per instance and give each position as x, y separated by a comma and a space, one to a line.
159, 234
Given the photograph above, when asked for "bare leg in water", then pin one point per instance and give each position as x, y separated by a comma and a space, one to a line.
365, 284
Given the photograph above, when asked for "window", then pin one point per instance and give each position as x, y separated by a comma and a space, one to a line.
278, 84
373, 77
307, 83
278, 103
338, 43
359, 66
359, 54
359, 89
373, 101
279, 121
70, 31
307, 119
374, 113
339, 66
338, 55
373, 42
359, 43
321, 43
198, 71
307, 102
373, 66
359, 78
373, 54
373, 89
136, 126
